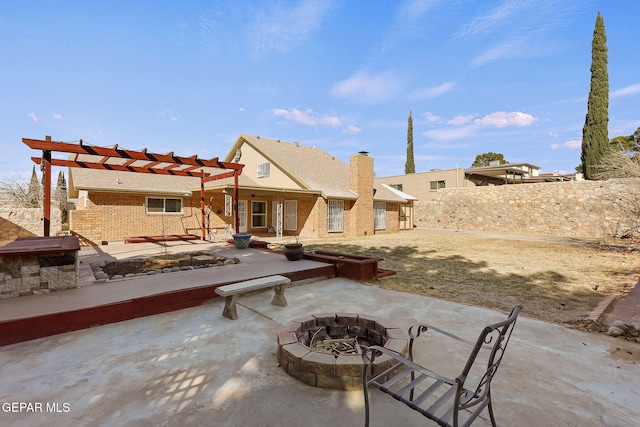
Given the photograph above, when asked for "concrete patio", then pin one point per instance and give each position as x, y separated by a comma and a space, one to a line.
194, 367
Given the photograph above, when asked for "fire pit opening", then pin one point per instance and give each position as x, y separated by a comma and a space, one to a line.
324, 350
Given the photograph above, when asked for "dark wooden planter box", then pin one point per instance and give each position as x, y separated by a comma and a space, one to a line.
353, 267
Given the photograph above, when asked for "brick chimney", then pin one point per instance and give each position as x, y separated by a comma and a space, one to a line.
361, 183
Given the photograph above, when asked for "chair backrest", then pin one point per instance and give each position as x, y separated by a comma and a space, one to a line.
492, 344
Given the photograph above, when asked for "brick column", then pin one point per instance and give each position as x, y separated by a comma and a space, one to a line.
361, 183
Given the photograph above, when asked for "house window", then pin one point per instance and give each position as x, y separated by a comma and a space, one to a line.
396, 186
335, 216
379, 216
436, 185
161, 205
291, 215
258, 214
264, 169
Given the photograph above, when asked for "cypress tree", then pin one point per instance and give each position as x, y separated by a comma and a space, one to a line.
410, 166
33, 194
595, 134
60, 195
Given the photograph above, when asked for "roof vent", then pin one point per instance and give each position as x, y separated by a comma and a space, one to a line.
296, 144
364, 153
314, 145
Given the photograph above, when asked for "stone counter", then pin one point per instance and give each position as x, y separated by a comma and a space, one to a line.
30, 266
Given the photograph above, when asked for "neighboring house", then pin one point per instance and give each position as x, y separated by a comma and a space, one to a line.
285, 189
425, 185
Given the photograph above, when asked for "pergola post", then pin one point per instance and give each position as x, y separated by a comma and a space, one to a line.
46, 178
236, 194
202, 207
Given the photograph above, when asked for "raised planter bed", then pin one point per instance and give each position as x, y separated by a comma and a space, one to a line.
353, 267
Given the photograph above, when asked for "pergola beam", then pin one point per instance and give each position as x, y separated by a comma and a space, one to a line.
116, 152
153, 163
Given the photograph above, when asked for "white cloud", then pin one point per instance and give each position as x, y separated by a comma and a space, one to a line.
502, 119
58, 116
481, 25
167, 114
352, 130
431, 118
460, 120
629, 90
450, 133
573, 144
368, 88
507, 49
33, 117
241, 109
281, 26
433, 92
307, 117
554, 146
414, 9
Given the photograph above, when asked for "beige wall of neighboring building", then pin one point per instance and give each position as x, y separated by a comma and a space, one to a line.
419, 184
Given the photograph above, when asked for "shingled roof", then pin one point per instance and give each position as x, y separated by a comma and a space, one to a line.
312, 168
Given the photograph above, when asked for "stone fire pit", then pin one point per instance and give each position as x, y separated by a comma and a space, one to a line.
324, 350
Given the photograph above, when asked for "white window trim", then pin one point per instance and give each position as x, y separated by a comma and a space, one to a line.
290, 215
335, 216
259, 214
264, 170
164, 206
379, 216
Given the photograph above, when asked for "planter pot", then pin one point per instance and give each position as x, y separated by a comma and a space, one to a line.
293, 252
241, 240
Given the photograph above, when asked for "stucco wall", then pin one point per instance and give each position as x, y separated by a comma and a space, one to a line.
418, 184
576, 208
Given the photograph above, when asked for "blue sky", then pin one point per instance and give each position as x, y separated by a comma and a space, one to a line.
505, 76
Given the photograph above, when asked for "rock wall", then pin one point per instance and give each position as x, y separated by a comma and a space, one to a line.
575, 208
30, 274
25, 222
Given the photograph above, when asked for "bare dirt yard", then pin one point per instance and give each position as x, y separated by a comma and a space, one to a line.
557, 279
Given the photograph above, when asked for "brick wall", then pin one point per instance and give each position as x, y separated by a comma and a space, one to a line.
112, 217
576, 208
361, 182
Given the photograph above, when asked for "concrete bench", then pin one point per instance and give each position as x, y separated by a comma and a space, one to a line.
232, 292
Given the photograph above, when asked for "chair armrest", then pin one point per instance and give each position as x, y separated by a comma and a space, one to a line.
416, 330
369, 354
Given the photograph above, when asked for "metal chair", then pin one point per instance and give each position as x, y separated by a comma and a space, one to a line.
447, 401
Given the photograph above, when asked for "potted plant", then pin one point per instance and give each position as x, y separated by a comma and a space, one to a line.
293, 249
241, 240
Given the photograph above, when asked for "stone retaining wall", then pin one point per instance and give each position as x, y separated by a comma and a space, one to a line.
575, 208
25, 222
30, 274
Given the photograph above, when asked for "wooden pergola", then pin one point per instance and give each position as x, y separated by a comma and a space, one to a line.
118, 159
